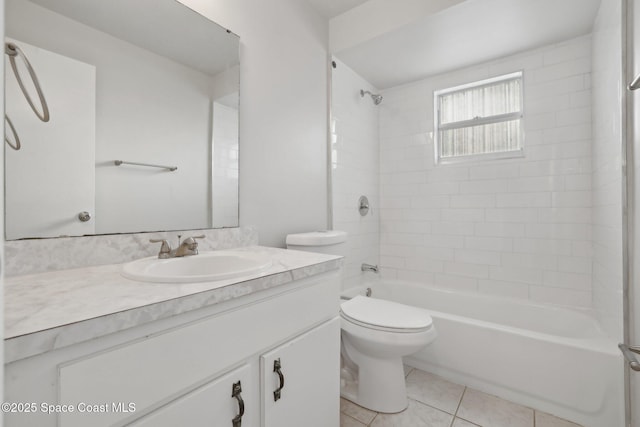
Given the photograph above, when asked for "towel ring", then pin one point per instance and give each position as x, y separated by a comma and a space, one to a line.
13, 50
15, 134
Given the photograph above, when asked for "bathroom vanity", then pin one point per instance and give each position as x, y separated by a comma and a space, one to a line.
90, 347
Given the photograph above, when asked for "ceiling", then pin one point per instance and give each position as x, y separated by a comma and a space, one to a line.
332, 8
165, 27
467, 33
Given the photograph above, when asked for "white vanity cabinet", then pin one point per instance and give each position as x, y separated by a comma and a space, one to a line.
298, 378
219, 402
181, 371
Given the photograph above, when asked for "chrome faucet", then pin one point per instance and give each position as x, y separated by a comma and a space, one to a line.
187, 247
369, 267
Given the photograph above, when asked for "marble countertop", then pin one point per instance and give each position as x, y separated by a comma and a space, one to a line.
51, 310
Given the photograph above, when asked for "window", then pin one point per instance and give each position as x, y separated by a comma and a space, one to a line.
479, 120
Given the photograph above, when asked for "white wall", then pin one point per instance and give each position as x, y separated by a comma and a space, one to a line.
517, 227
607, 174
283, 110
355, 165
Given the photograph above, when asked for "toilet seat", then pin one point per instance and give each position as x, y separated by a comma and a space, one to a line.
385, 315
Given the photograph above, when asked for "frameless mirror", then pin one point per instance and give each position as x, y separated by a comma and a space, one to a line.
143, 129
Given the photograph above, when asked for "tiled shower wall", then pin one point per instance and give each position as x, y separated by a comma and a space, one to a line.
518, 227
354, 145
607, 174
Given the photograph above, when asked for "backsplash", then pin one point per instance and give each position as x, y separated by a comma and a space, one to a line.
40, 255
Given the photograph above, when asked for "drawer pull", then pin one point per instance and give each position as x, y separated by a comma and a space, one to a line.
276, 368
235, 392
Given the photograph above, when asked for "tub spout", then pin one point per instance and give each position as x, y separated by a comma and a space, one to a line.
369, 267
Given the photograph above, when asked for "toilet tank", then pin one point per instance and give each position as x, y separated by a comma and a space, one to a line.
332, 242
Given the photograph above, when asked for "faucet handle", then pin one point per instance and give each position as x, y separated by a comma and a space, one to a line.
165, 249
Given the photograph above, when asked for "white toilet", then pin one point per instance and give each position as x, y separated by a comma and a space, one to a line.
376, 334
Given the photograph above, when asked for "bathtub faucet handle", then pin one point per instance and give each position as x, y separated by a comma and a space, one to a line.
369, 267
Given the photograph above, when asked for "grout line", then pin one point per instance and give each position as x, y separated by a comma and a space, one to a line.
455, 414
374, 418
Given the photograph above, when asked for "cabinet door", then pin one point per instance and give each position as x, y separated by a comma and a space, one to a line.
309, 367
209, 405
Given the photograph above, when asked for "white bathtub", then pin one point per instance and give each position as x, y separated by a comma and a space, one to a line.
548, 358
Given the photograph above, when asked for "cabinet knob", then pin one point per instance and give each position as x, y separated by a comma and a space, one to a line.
277, 369
235, 392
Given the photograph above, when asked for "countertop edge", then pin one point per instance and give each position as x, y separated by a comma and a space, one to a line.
38, 342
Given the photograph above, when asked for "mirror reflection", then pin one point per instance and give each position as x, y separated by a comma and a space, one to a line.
143, 129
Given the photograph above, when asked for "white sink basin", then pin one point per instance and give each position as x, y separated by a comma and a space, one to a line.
204, 267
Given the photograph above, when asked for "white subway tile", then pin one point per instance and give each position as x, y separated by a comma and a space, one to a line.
483, 186
473, 201
435, 241
504, 289
463, 215
455, 228
536, 184
559, 231
397, 250
429, 201
574, 117
567, 68
459, 283
392, 262
408, 177
447, 173
489, 243
543, 246
407, 239
565, 215
578, 182
568, 199
582, 248
556, 167
574, 264
467, 270
516, 274
493, 171
424, 264
529, 260
569, 50
414, 276
426, 214
437, 252
500, 229
521, 215
477, 257
530, 200
580, 99
559, 279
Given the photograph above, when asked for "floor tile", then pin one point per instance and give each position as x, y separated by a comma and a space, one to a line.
434, 390
491, 411
347, 421
361, 414
416, 415
459, 422
547, 420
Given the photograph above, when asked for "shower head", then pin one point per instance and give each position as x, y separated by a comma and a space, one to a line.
377, 99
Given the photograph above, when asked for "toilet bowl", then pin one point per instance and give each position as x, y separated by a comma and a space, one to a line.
376, 334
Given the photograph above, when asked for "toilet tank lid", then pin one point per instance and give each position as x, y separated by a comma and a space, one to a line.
317, 238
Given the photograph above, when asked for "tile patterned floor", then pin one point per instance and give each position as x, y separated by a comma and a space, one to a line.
436, 402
